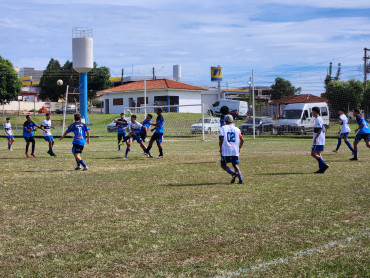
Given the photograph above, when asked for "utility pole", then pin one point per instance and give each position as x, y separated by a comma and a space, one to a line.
365, 66
122, 76
153, 73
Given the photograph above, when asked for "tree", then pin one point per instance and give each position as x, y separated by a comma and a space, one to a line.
10, 84
344, 94
48, 83
283, 88
98, 79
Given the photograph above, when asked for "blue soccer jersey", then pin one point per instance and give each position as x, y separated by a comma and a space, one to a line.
121, 124
147, 123
79, 129
159, 122
30, 126
365, 128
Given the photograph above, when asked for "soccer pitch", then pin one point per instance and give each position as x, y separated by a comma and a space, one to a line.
180, 216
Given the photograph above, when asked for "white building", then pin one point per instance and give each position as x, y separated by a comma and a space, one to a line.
159, 92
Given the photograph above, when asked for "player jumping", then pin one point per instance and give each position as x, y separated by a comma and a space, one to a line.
9, 133
80, 130
344, 130
46, 124
318, 142
231, 141
363, 132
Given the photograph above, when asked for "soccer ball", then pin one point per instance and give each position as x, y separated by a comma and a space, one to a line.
60, 82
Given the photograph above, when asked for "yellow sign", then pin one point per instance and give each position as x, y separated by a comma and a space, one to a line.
216, 73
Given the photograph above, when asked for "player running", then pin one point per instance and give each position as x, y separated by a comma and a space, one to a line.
29, 127
80, 130
135, 130
344, 130
121, 125
158, 134
9, 133
231, 141
46, 124
318, 142
363, 132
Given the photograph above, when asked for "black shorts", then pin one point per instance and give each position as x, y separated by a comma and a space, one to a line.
365, 136
120, 136
157, 137
77, 148
29, 139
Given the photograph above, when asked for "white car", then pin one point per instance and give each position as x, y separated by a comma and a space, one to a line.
210, 125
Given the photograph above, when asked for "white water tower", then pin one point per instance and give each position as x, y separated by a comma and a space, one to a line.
83, 62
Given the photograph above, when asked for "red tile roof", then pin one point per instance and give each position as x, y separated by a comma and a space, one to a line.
307, 98
152, 85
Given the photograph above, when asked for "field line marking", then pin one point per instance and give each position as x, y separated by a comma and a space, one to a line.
294, 256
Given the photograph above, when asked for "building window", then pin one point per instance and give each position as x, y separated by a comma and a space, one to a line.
117, 101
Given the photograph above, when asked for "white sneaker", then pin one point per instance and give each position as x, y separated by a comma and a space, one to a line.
78, 168
160, 156
85, 168
124, 157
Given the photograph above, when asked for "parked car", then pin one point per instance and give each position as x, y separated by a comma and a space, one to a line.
238, 109
210, 125
297, 117
112, 126
262, 125
70, 109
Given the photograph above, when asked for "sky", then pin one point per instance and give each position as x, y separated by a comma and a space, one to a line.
295, 40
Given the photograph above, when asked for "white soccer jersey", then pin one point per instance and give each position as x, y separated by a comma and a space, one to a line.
135, 126
230, 145
46, 124
344, 127
319, 124
8, 128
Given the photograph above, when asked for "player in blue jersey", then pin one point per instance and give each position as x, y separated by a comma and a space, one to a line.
48, 137
80, 130
9, 133
344, 130
363, 132
318, 141
146, 126
135, 134
158, 134
29, 127
122, 126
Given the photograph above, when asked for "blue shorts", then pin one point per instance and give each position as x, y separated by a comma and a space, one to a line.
9, 136
29, 139
157, 137
77, 148
137, 137
365, 136
229, 159
49, 138
317, 148
344, 135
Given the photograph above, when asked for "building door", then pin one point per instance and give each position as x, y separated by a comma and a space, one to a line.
106, 106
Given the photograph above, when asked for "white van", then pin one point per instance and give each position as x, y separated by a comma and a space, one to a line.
238, 109
297, 117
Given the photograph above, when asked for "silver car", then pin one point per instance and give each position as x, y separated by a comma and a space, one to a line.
210, 125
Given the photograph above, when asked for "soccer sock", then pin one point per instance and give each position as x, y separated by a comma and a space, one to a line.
339, 143
240, 176
27, 148
355, 154
349, 146
229, 171
51, 150
161, 152
127, 150
83, 163
119, 147
148, 149
33, 148
9, 146
321, 162
78, 163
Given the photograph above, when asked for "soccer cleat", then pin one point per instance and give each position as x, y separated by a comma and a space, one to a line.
160, 156
53, 154
233, 178
27, 154
319, 172
353, 158
85, 168
10, 149
78, 168
241, 182
33, 154
335, 151
324, 168
48, 152
125, 157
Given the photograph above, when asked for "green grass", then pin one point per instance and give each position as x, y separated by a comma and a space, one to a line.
179, 216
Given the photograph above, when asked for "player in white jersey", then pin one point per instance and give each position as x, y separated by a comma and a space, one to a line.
9, 133
46, 124
344, 130
231, 141
318, 141
135, 130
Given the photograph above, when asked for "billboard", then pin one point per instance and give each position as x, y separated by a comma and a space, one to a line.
216, 73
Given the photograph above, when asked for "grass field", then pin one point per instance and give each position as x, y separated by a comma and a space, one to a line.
179, 216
